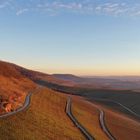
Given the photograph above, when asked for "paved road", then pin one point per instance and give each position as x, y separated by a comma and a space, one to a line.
75, 121
123, 106
26, 104
102, 122
103, 126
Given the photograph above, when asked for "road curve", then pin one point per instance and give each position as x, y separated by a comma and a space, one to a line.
26, 104
75, 121
103, 126
102, 121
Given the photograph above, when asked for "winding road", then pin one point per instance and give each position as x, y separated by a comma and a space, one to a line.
26, 104
87, 135
102, 121
103, 126
75, 121
82, 129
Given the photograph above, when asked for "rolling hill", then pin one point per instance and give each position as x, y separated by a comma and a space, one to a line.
15, 79
16, 82
46, 114
98, 82
11, 78
46, 117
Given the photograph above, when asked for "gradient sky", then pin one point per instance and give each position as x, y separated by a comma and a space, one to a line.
83, 37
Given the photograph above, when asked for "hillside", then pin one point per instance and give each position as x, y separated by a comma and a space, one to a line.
68, 77
13, 85
88, 116
39, 77
47, 109
11, 77
45, 119
11, 70
16, 82
120, 126
115, 99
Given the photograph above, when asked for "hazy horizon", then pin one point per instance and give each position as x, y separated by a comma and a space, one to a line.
76, 36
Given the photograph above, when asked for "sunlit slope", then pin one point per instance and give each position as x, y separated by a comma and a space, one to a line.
45, 119
16, 80
122, 127
12, 80
13, 85
88, 116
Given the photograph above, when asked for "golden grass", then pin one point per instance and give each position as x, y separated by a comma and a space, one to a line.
45, 119
88, 116
10, 85
122, 127
13, 82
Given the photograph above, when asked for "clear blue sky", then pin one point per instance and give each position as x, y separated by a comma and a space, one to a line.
84, 37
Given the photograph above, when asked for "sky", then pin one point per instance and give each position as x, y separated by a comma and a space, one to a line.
82, 37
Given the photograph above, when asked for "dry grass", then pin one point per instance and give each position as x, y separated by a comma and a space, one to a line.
11, 87
122, 127
88, 116
45, 119
13, 84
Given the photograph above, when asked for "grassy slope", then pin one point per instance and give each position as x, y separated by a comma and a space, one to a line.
12, 82
44, 119
88, 117
122, 127
11, 85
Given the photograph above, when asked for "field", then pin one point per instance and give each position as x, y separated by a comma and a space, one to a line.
44, 119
